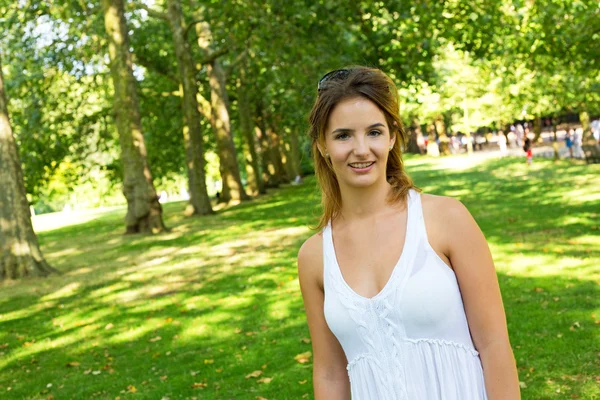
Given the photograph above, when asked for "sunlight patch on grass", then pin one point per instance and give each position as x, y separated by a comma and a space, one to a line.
133, 334
57, 220
65, 291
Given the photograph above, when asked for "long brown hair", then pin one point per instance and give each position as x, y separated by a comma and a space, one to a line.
374, 85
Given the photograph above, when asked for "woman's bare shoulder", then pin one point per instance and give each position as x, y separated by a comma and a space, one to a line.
310, 255
444, 208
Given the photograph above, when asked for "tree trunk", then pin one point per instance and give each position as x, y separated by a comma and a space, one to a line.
277, 154
192, 130
269, 176
255, 182
286, 158
20, 253
440, 127
295, 155
555, 142
144, 212
414, 131
587, 136
230, 172
228, 166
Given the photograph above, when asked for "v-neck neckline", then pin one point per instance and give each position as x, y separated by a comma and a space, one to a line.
397, 266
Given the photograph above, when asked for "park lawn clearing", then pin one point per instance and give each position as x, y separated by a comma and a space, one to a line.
212, 309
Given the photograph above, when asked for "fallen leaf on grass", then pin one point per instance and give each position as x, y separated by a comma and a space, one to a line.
199, 385
209, 361
305, 340
302, 382
303, 357
254, 374
156, 339
575, 326
260, 398
264, 380
73, 364
131, 389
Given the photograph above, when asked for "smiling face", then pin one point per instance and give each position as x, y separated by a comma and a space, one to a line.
358, 140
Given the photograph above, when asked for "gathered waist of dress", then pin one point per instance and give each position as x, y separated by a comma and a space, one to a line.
424, 344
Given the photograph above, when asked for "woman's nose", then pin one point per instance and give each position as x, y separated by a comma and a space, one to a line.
360, 146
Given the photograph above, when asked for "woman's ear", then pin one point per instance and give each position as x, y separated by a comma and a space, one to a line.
394, 133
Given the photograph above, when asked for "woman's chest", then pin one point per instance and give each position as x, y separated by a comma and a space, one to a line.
367, 260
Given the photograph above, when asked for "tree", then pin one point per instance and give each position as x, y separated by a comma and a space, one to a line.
219, 118
255, 181
144, 212
20, 253
192, 130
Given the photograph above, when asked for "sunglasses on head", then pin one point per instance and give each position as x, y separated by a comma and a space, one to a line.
335, 75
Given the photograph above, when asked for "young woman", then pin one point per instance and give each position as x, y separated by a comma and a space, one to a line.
399, 287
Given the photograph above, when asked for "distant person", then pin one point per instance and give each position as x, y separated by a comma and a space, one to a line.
569, 142
454, 144
577, 143
512, 139
502, 144
520, 132
399, 287
528, 150
595, 127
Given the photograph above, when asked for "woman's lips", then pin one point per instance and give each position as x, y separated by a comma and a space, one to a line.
362, 166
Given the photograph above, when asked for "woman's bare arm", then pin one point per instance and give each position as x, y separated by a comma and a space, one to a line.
472, 262
330, 378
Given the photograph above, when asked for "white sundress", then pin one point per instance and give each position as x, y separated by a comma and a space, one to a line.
411, 341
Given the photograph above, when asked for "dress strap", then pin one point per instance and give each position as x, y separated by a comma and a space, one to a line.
416, 209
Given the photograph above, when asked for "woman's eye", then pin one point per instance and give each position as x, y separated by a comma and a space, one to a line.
375, 133
342, 136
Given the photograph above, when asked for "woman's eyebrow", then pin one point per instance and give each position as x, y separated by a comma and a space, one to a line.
348, 130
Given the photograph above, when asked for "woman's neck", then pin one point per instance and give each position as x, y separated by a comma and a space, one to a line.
364, 203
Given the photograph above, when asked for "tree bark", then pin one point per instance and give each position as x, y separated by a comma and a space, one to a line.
555, 137
192, 130
144, 212
269, 175
228, 166
20, 254
277, 153
295, 155
440, 127
587, 136
414, 131
255, 182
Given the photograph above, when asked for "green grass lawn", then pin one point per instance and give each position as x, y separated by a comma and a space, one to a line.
212, 309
